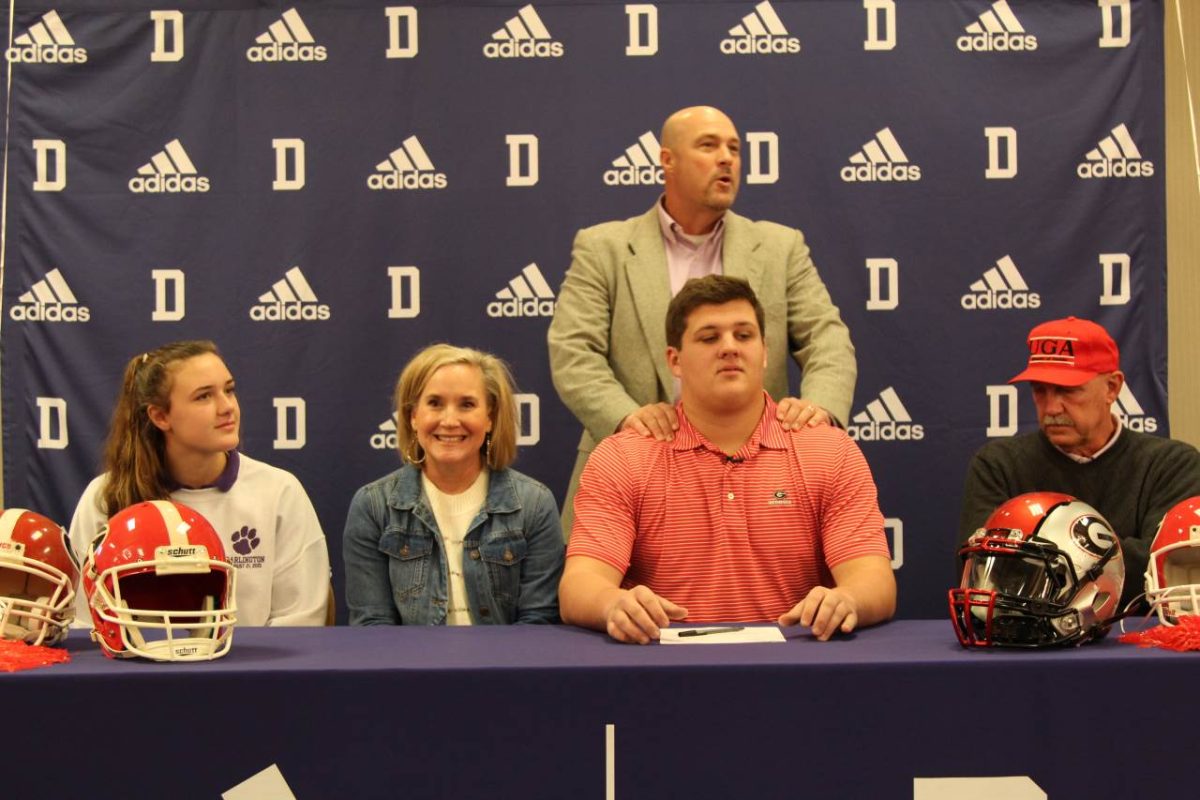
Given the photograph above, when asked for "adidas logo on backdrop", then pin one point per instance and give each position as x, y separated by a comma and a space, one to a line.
885, 420
527, 295
998, 29
523, 36
760, 32
1001, 287
407, 167
290, 298
169, 172
46, 42
639, 166
385, 437
1131, 413
1116, 156
49, 300
881, 159
288, 39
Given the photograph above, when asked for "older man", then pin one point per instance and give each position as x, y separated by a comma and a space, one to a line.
606, 340
1081, 448
736, 518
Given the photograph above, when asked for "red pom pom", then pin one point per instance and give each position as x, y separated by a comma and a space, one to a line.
1180, 637
16, 656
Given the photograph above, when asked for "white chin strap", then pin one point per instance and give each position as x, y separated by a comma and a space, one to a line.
180, 650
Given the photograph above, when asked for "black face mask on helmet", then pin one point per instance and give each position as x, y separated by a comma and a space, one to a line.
1044, 570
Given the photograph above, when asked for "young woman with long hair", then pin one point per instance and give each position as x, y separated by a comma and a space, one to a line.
174, 435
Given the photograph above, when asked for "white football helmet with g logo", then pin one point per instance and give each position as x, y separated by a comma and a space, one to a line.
1045, 569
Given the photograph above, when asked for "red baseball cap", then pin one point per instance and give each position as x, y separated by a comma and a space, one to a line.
1069, 352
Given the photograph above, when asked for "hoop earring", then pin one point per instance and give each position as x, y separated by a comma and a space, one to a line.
416, 448
487, 450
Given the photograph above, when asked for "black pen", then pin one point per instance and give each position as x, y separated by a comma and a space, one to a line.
707, 631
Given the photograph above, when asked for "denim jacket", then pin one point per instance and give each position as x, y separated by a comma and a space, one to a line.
396, 567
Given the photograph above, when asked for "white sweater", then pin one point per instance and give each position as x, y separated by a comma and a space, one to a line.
280, 552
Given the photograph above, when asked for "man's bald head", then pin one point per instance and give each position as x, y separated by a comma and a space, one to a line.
702, 165
684, 120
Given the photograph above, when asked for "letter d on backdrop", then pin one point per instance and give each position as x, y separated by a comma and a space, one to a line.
295, 408
405, 305
529, 419
879, 300
876, 10
161, 52
396, 15
1002, 406
164, 279
44, 148
288, 180
637, 45
1115, 279
52, 423
995, 138
764, 163
519, 143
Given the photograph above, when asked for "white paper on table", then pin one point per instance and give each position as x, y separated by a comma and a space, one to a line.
747, 635
266, 785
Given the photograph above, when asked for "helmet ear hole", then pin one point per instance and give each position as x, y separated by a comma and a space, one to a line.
1099, 601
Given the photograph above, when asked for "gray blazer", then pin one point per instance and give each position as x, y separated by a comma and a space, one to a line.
608, 338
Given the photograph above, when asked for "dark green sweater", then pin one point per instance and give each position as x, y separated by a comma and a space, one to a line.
1132, 486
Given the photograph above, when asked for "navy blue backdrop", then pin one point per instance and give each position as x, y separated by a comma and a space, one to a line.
324, 188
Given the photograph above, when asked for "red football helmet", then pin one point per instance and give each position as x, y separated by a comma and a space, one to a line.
159, 585
38, 574
1045, 569
1173, 574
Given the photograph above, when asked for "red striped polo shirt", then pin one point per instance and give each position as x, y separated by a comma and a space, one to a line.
731, 539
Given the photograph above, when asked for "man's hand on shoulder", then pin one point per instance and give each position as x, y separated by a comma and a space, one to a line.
825, 611
638, 614
794, 414
656, 419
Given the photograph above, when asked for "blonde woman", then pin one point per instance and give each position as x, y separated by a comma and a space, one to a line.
455, 536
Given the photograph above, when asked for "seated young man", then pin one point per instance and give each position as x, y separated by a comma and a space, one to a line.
735, 519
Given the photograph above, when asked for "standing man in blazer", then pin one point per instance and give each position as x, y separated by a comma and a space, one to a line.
606, 340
